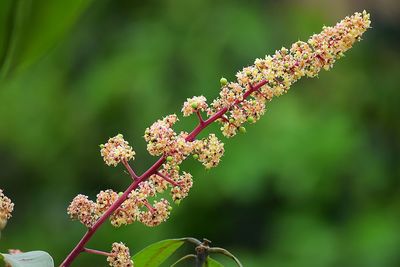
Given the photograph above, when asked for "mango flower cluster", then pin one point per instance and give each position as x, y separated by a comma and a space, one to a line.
240, 104
6, 208
120, 256
116, 150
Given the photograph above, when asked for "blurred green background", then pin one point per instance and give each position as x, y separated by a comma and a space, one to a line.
314, 183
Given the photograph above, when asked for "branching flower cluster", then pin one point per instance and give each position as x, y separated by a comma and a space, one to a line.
120, 256
240, 102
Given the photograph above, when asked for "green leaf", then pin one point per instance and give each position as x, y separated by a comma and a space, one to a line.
213, 263
155, 254
184, 258
29, 259
2, 262
29, 28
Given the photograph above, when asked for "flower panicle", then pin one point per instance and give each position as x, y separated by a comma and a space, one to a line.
240, 102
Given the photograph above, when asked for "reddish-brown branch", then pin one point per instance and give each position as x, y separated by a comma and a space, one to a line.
224, 118
148, 206
152, 170
201, 120
166, 178
130, 170
97, 252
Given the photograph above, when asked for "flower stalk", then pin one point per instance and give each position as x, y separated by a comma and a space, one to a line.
240, 102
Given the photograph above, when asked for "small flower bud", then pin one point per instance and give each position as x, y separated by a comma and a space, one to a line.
250, 119
231, 120
169, 158
195, 156
223, 81
194, 105
242, 129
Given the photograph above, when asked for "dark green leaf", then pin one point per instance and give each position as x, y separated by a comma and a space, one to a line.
155, 254
29, 259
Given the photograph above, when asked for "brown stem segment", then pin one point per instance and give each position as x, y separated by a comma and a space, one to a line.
130, 170
97, 252
201, 120
166, 178
148, 206
80, 247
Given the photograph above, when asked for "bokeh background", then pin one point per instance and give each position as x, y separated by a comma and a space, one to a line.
314, 183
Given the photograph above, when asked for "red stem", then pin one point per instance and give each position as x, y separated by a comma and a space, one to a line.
166, 178
130, 170
97, 252
152, 170
148, 206
201, 120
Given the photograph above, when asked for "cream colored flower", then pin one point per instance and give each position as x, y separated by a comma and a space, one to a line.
116, 150
120, 256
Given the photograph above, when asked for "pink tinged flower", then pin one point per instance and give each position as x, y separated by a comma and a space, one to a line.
120, 256
158, 214
104, 200
162, 140
168, 170
194, 104
130, 210
116, 150
159, 136
83, 209
209, 151
6, 208
184, 183
126, 214
160, 184
145, 190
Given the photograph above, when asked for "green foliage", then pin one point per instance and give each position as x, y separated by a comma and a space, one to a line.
213, 263
2, 262
30, 27
157, 253
29, 259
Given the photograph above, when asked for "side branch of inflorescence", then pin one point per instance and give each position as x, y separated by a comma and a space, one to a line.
166, 178
97, 252
80, 247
